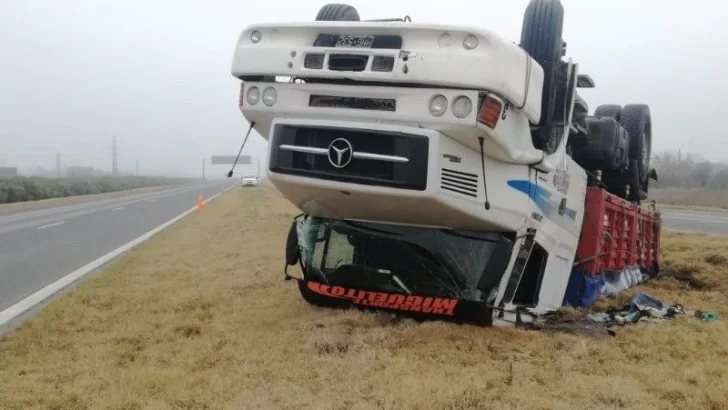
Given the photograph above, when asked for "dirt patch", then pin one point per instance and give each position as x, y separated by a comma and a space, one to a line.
686, 274
200, 317
717, 259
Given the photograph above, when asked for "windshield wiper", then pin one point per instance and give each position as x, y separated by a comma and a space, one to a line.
396, 279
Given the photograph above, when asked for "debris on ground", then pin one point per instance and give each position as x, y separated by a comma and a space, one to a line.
641, 307
645, 308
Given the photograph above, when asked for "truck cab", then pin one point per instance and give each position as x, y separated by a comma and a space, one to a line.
435, 165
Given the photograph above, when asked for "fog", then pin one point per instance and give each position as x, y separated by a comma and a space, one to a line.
156, 74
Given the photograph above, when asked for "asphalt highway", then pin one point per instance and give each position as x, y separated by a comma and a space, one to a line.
715, 223
39, 246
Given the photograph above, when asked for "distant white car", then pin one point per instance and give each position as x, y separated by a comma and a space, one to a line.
249, 180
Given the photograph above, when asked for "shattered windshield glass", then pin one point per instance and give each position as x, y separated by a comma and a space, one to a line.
395, 258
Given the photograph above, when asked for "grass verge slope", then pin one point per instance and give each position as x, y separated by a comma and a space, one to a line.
200, 318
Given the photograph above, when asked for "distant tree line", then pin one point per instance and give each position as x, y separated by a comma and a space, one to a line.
23, 189
685, 172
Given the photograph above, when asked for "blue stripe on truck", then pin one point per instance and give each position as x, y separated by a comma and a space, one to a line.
541, 197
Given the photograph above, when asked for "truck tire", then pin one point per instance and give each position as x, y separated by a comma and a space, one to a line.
636, 188
636, 119
337, 12
609, 110
606, 148
543, 23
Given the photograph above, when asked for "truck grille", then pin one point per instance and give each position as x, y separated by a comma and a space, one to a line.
349, 62
367, 157
460, 182
314, 61
383, 64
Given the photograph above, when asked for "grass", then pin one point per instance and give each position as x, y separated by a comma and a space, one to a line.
200, 318
704, 199
77, 199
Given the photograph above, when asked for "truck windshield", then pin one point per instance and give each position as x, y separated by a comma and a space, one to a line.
395, 258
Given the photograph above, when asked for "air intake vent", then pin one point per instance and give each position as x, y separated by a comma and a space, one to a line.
359, 103
383, 63
348, 62
460, 182
314, 61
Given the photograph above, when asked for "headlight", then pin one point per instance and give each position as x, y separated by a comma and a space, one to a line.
270, 96
255, 36
470, 42
462, 106
253, 95
438, 105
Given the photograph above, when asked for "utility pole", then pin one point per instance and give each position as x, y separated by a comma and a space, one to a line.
137, 167
114, 157
58, 164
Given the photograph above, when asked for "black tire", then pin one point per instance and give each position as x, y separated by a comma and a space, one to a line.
609, 110
636, 191
636, 119
337, 12
543, 23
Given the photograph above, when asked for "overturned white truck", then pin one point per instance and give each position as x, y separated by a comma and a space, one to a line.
442, 171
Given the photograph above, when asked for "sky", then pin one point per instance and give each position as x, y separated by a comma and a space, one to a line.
156, 74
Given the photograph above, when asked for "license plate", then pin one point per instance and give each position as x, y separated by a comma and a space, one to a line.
355, 41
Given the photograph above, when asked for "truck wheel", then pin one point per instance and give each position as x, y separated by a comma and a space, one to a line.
637, 121
636, 189
337, 12
543, 22
609, 110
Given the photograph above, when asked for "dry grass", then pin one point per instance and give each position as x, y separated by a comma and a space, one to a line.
200, 318
693, 199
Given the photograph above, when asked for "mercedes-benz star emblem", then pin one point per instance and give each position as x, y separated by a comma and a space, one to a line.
340, 153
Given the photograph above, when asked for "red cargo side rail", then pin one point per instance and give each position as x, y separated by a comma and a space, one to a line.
615, 234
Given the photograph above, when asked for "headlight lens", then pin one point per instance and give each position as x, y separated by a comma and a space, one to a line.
438, 105
462, 106
255, 36
270, 96
253, 95
470, 42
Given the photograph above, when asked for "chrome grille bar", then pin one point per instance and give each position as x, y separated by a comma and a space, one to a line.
356, 154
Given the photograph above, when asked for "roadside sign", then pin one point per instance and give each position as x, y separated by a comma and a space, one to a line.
230, 159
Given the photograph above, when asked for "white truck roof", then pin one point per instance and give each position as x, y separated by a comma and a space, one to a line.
393, 52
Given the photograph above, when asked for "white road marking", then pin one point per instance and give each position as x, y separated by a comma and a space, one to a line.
51, 225
117, 209
39, 296
152, 200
